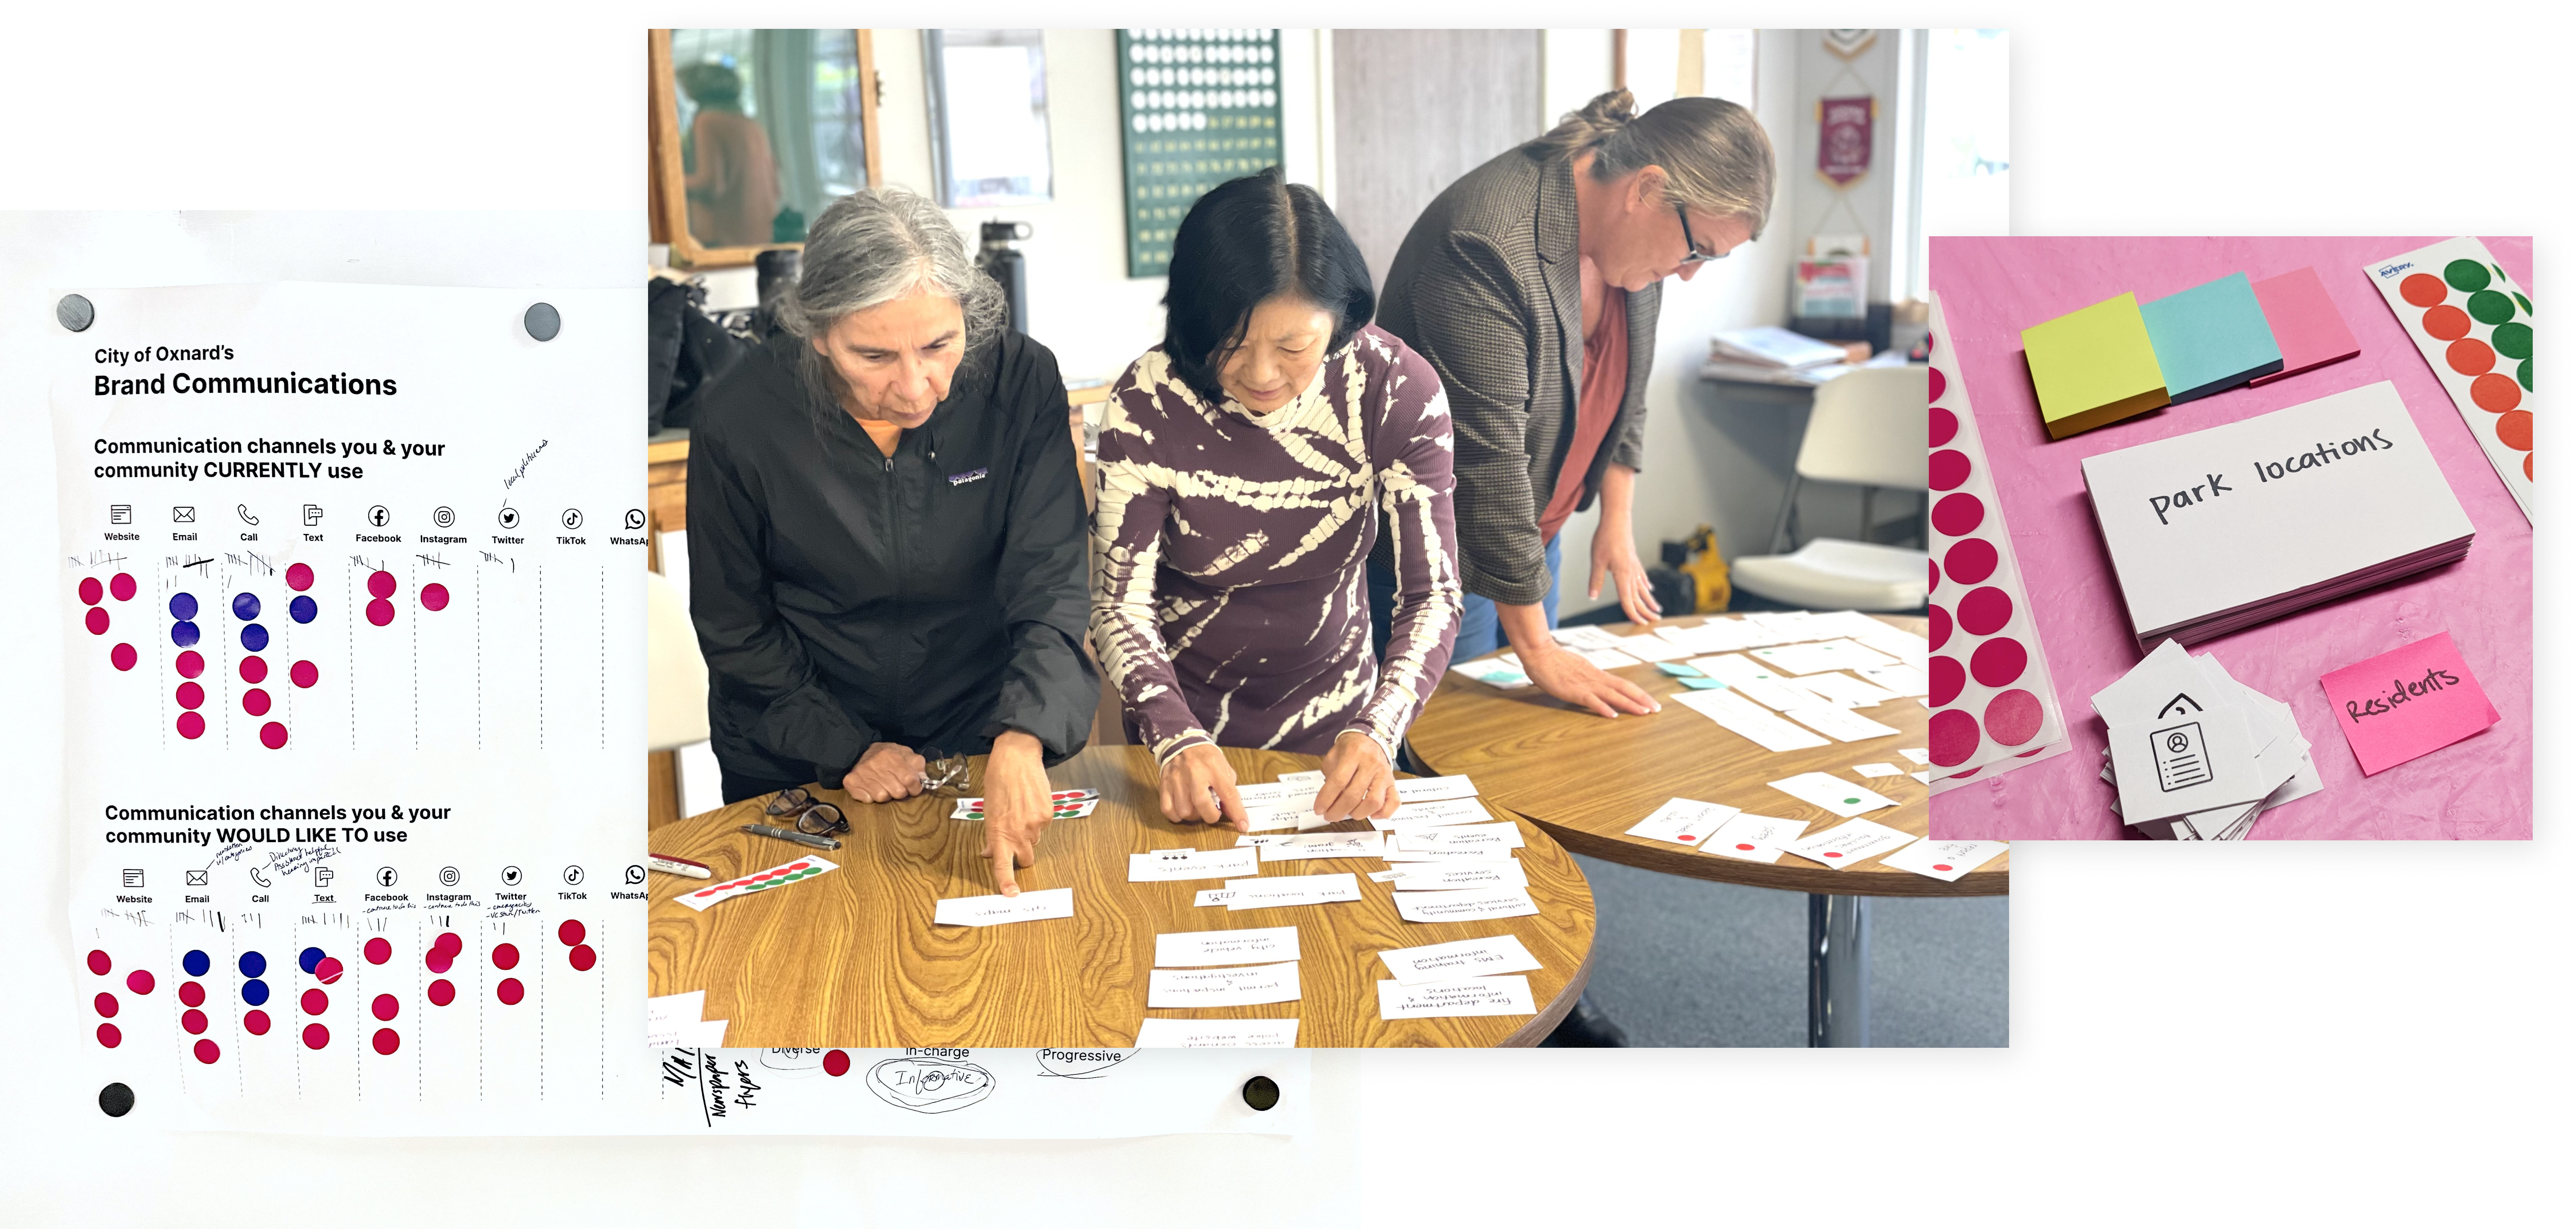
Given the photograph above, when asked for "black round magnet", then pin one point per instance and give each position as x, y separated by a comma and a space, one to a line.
116, 1099
74, 312
1260, 1092
542, 321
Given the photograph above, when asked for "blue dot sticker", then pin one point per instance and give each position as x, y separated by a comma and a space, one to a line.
303, 609
195, 963
254, 992
308, 958
183, 633
183, 605
254, 637
245, 605
253, 964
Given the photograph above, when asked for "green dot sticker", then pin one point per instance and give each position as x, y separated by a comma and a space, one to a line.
2465, 276
1851, 802
2526, 303
2489, 307
2525, 373
2512, 340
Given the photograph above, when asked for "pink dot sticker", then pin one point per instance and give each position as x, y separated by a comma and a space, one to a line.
387, 1041
121, 587
299, 577
97, 621
254, 670
434, 596
1970, 562
1934, 566
583, 957
505, 956
191, 665
1953, 737
255, 1022
193, 1020
511, 991
442, 992
380, 611
272, 735
2013, 717
836, 1064
1833, 853
316, 1036
255, 702
378, 950
1745, 848
327, 970
1948, 679
438, 960
385, 1007
314, 1002
1948, 468
1940, 627
105, 1004
303, 674
1958, 515
207, 1051
92, 592
99, 962
1999, 661
570, 932
191, 725
108, 1035
380, 585
139, 981
1940, 866
121, 657
192, 994
1686, 837
1944, 426
1984, 611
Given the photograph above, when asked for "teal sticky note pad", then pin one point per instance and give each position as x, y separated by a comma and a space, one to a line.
1678, 670
2211, 337
1703, 683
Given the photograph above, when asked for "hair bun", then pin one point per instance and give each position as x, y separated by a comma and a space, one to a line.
1611, 110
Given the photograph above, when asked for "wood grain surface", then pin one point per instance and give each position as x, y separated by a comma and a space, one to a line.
851, 958
1588, 779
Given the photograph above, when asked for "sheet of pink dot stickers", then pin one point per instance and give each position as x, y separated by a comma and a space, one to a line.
1994, 708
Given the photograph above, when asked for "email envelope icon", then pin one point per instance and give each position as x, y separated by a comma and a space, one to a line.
183, 514
196, 879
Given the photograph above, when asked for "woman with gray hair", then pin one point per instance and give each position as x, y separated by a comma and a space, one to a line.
1531, 285
886, 553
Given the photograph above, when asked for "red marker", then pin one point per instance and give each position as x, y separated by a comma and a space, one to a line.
669, 865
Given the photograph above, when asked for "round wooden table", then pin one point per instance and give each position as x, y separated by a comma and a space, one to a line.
1586, 780
851, 958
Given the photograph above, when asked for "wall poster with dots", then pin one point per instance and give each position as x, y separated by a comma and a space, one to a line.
2473, 325
353, 614
1197, 108
1994, 707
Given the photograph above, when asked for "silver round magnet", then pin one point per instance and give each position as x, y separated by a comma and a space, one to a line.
542, 321
75, 312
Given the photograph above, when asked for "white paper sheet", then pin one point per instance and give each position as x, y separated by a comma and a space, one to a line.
1848, 844
1159, 1033
1271, 891
1683, 821
1305, 846
1803, 659
1482, 839
1475, 996
1039, 906
1168, 865
1841, 724
1194, 948
1415, 816
1466, 906
1833, 794
1946, 861
1754, 838
1745, 718
1268, 983
1436, 877
1458, 960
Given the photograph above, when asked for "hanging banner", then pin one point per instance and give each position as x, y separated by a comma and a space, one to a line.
1842, 148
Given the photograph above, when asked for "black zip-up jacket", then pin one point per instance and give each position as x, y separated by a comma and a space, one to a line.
842, 597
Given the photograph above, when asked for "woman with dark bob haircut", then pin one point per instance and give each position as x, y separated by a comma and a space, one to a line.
1244, 467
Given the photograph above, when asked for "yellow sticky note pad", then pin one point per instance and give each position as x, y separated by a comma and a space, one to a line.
2093, 367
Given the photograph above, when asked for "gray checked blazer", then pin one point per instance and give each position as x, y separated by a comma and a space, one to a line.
1487, 288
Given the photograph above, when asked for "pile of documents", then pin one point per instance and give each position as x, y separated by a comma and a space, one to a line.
1727, 832
1775, 355
2196, 755
2222, 529
1800, 677
1186, 975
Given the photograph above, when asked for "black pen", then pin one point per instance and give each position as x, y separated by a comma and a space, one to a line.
790, 834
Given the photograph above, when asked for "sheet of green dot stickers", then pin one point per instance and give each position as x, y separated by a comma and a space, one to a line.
2473, 325
1993, 705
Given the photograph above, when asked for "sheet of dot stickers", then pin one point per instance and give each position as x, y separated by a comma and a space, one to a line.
2473, 324
1993, 705
350, 576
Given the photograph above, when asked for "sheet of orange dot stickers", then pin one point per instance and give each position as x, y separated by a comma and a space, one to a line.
352, 615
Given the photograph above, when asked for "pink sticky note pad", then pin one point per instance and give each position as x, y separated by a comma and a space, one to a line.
2407, 702
2305, 324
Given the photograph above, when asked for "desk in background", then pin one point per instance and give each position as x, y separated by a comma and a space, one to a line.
1586, 780
851, 959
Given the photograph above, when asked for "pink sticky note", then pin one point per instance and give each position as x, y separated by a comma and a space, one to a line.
2407, 702
2305, 324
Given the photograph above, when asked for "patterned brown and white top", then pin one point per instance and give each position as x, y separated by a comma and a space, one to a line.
1229, 595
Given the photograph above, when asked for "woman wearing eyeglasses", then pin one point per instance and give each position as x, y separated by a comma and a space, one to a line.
1532, 285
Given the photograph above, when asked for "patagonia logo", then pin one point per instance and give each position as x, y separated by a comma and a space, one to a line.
972, 475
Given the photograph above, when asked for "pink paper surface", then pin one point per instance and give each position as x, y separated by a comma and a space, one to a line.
2305, 324
2407, 702
2480, 789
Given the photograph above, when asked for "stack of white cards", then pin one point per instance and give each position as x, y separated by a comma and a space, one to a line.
1187, 974
2220, 530
2195, 754
1727, 832
1469, 977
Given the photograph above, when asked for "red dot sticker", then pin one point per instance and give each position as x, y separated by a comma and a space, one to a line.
1949, 678
506, 956
836, 1064
434, 596
121, 657
2469, 357
1948, 468
1939, 384
1940, 627
92, 592
570, 932
583, 957
254, 670
2423, 290
255, 1022
327, 970
316, 1036
1944, 426
105, 1003
99, 962
380, 612
2514, 430
2494, 392
121, 587
108, 1035
191, 665
192, 994
385, 1007
314, 1002
442, 992
299, 577
1998, 661
1953, 737
1935, 568
438, 960
272, 735
380, 585
97, 621
207, 1051
191, 725
255, 702
191, 696
387, 1041
1940, 866
511, 991
1958, 515
2013, 717
1745, 848
304, 674
1984, 611
139, 981
2446, 323
1685, 837
1833, 853
1970, 562
447, 941
379, 951
193, 1020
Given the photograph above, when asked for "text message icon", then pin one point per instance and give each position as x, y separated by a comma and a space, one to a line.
312, 515
321, 876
